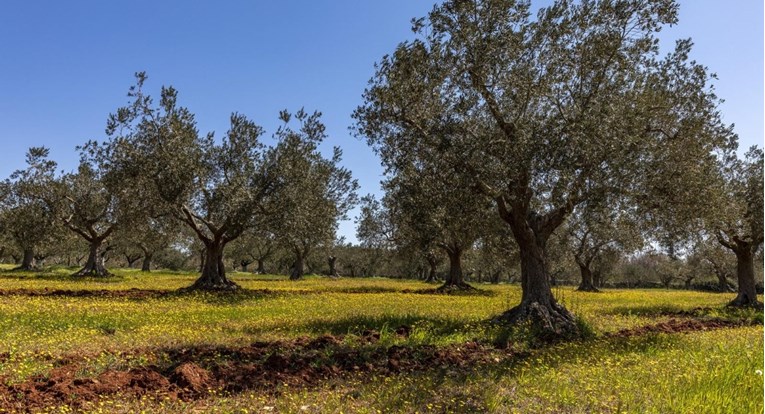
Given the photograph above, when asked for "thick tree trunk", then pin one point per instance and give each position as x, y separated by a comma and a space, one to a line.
94, 266
747, 291
548, 318
131, 260
432, 272
455, 279
597, 279
244, 264
331, 260
586, 285
146, 265
722, 282
297, 271
261, 267
213, 275
28, 261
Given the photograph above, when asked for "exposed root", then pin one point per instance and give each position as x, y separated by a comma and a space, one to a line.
548, 322
743, 301
92, 272
455, 287
224, 285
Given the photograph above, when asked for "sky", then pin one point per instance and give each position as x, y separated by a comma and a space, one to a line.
64, 66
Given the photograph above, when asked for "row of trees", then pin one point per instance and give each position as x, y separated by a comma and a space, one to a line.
570, 120
500, 131
155, 179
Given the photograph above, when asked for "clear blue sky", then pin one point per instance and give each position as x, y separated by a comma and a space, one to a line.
65, 65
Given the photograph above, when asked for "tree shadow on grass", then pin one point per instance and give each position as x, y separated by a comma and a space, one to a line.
424, 327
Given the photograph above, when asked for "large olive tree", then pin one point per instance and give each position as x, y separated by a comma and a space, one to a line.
317, 190
543, 113
738, 220
218, 189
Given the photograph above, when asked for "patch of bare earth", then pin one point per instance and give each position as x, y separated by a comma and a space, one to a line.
192, 372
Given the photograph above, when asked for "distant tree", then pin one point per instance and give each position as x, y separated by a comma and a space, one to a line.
90, 209
434, 210
544, 114
26, 218
218, 190
592, 230
738, 220
716, 259
317, 193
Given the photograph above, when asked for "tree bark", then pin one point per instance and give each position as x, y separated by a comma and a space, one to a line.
722, 282
332, 270
432, 272
94, 266
28, 261
586, 284
297, 271
213, 275
597, 279
146, 265
261, 267
455, 279
131, 260
548, 318
747, 291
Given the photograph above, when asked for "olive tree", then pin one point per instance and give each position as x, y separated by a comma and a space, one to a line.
317, 193
218, 189
595, 230
434, 208
543, 113
26, 218
738, 222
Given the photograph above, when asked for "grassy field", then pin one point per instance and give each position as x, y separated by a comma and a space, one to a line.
362, 345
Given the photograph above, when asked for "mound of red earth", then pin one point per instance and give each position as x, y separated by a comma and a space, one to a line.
678, 326
193, 372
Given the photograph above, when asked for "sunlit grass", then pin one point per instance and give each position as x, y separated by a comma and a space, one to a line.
712, 371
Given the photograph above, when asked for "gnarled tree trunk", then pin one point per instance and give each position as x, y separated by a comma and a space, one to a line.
747, 291
432, 269
586, 284
213, 275
94, 266
28, 261
298, 268
261, 267
131, 260
146, 264
455, 279
332, 270
538, 305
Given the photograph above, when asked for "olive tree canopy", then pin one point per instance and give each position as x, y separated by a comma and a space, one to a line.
544, 113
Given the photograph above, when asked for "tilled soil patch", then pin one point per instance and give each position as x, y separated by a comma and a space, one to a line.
678, 326
265, 366
193, 372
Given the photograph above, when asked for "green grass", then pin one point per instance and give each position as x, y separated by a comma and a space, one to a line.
705, 371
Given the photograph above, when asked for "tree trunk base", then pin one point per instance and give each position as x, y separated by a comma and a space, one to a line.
548, 322
743, 301
224, 285
590, 288
455, 287
25, 268
92, 272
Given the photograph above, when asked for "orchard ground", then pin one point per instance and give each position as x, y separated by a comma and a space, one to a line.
132, 343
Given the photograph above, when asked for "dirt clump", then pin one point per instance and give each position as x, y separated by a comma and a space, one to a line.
677, 326
192, 378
